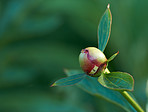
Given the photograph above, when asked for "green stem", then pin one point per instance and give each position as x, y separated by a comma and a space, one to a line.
129, 98
132, 101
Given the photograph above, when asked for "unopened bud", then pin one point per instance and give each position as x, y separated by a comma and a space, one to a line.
92, 61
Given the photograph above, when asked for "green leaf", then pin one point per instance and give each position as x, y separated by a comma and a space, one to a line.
68, 81
112, 57
117, 81
92, 86
104, 29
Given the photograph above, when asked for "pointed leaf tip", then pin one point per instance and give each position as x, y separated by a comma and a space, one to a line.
53, 85
112, 57
108, 6
69, 81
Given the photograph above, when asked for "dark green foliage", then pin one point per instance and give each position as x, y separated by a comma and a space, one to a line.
38, 38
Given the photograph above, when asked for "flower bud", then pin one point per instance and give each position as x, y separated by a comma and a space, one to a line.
92, 61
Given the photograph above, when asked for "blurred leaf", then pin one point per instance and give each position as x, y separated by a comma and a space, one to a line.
92, 86
16, 11
68, 81
117, 81
9, 14
40, 25
19, 23
22, 63
32, 100
112, 57
104, 29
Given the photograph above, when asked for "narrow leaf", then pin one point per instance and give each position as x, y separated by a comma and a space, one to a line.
104, 29
92, 86
67, 81
117, 81
112, 57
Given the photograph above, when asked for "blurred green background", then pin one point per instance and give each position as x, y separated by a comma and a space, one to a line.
39, 38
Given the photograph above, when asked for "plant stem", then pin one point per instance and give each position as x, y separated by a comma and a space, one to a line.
129, 98
132, 101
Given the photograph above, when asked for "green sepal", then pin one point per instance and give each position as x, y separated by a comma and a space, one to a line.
69, 81
112, 57
118, 81
104, 29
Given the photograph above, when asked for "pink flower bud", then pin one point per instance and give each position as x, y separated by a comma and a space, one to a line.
92, 61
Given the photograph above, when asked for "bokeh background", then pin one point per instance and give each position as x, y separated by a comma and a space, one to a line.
39, 38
